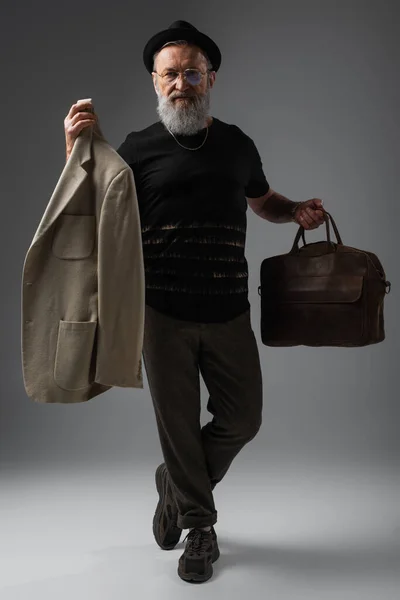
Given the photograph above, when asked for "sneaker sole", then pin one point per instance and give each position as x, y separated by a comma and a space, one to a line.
174, 533
195, 577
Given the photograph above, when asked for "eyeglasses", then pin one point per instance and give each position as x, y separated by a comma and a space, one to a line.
192, 76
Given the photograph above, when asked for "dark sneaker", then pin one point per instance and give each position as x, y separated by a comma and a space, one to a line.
166, 532
215, 542
201, 550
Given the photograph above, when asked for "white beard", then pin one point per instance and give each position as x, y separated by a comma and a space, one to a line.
184, 117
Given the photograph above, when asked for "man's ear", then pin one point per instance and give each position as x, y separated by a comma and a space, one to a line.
154, 77
212, 78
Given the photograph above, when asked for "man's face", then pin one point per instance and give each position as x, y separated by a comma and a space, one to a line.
182, 107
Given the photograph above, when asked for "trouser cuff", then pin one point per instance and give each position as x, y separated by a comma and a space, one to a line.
196, 521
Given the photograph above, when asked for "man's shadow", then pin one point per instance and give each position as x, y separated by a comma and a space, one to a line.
316, 561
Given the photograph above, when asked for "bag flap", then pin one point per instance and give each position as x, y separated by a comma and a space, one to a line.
324, 288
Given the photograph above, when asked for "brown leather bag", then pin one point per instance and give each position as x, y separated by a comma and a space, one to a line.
322, 294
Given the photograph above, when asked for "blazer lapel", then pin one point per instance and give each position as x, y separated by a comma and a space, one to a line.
70, 179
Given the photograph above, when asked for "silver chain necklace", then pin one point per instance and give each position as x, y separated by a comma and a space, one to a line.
186, 148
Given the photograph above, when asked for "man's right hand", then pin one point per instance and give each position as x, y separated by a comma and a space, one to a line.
78, 118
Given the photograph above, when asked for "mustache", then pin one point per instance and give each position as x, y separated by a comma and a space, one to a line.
173, 97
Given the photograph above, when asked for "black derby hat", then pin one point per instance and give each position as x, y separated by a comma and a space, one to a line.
181, 30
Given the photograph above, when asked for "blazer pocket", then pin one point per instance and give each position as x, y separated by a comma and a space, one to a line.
74, 236
75, 342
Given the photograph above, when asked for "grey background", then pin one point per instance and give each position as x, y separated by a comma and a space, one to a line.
315, 84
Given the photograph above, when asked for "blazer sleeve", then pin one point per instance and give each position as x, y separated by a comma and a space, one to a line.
121, 289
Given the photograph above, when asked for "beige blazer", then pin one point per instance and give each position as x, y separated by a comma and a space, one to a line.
83, 289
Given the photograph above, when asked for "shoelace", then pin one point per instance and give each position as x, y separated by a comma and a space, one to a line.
198, 541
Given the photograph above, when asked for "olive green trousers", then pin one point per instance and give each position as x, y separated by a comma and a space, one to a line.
175, 353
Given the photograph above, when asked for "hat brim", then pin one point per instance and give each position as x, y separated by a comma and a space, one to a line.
170, 35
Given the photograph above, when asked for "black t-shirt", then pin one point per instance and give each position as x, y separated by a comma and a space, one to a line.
192, 206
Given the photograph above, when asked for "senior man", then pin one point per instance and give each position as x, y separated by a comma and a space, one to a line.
195, 176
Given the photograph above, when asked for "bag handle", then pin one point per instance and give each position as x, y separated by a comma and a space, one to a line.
327, 217
300, 232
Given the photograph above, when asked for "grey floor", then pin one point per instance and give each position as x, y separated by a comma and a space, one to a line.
86, 534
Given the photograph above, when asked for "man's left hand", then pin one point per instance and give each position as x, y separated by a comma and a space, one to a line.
309, 214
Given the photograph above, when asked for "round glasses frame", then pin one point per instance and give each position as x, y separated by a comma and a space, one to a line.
171, 76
